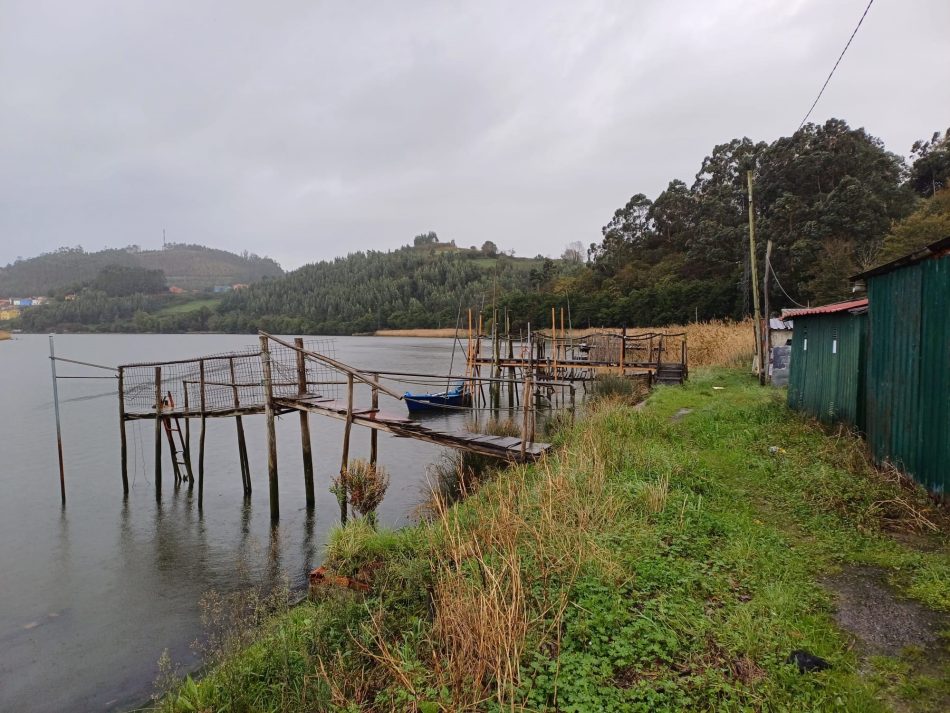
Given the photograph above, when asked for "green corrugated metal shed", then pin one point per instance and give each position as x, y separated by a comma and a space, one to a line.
827, 362
908, 365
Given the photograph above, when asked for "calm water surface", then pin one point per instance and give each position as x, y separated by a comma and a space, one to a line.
91, 594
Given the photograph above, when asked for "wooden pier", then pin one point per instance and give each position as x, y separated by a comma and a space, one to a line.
278, 378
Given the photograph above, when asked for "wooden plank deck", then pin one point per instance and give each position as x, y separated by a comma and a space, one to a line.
506, 447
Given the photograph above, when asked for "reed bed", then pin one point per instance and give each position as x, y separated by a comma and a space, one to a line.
719, 342
443, 332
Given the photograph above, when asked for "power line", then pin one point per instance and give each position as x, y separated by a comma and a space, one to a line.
768, 266
822, 91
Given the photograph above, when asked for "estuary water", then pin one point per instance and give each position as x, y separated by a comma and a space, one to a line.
92, 593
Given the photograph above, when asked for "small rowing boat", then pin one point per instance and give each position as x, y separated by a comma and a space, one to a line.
458, 396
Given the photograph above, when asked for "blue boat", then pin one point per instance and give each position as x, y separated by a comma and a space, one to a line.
457, 396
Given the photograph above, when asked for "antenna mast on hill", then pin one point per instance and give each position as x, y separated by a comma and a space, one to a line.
163, 239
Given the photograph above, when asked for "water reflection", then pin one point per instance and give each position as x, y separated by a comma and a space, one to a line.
92, 595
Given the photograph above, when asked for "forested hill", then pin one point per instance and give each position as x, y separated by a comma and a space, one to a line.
418, 286
190, 267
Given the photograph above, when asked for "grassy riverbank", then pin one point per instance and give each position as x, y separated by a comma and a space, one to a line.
666, 558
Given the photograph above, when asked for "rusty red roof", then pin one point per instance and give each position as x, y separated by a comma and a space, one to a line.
825, 309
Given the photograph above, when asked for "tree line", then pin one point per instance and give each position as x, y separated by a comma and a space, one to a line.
831, 199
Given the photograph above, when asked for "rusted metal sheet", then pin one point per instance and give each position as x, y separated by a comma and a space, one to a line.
794, 314
908, 404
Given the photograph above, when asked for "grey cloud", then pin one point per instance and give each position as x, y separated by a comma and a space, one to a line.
307, 130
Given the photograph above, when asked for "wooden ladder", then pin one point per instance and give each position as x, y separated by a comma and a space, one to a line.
181, 458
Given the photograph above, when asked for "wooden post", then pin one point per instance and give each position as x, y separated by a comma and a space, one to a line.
468, 349
563, 337
478, 353
304, 425
271, 432
201, 434
158, 431
345, 459
526, 402
526, 397
186, 454
511, 368
495, 388
553, 345
239, 424
373, 433
123, 447
242, 454
59, 432
623, 350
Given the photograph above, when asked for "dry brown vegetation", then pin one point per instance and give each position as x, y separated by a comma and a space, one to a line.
444, 332
715, 343
718, 342
488, 605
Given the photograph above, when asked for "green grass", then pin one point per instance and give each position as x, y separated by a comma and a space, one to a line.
184, 305
652, 565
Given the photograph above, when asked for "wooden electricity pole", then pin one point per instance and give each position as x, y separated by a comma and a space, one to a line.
755, 281
766, 338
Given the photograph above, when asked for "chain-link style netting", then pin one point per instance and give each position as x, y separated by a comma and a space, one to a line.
233, 381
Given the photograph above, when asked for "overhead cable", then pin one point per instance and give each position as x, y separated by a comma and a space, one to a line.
822, 91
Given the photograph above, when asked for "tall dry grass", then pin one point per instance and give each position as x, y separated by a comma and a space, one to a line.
718, 342
503, 569
715, 343
443, 332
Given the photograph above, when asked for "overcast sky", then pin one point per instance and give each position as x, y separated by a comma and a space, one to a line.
307, 130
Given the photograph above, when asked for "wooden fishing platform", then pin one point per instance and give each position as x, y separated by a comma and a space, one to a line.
281, 378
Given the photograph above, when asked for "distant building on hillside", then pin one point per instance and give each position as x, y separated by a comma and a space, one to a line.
218, 289
239, 286
175, 290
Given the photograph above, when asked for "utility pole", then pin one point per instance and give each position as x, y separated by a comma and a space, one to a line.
767, 339
755, 280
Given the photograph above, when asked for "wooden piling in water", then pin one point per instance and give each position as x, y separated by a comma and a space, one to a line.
373, 434
123, 446
201, 434
271, 431
59, 431
304, 425
158, 431
186, 444
243, 461
345, 459
511, 356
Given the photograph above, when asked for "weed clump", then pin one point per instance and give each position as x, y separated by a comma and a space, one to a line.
613, 387
363, 487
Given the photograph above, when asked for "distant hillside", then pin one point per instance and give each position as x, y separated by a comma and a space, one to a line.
191, 267
409, 287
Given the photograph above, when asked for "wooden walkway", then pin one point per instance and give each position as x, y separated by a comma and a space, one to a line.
506, 447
